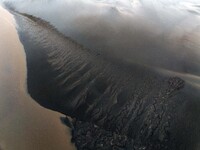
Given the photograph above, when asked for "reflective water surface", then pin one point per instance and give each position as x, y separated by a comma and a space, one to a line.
162, 34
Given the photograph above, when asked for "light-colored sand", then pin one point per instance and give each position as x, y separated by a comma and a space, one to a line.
24, 125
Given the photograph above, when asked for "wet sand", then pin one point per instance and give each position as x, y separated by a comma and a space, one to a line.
24, 125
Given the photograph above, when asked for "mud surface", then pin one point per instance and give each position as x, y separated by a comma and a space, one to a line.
131, 101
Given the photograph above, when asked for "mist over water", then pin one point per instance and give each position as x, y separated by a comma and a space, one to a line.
164, 36
161, 34
66, 77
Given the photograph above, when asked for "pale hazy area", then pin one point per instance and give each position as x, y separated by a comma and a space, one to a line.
24, 125
162, 34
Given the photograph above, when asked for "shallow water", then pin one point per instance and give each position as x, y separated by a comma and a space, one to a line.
162, 34
24, 125
64, 76
160, 39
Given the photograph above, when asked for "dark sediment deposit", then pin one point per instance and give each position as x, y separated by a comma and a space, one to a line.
117, 105
89, 137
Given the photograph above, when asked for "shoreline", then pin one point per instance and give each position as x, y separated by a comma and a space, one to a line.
23, 123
